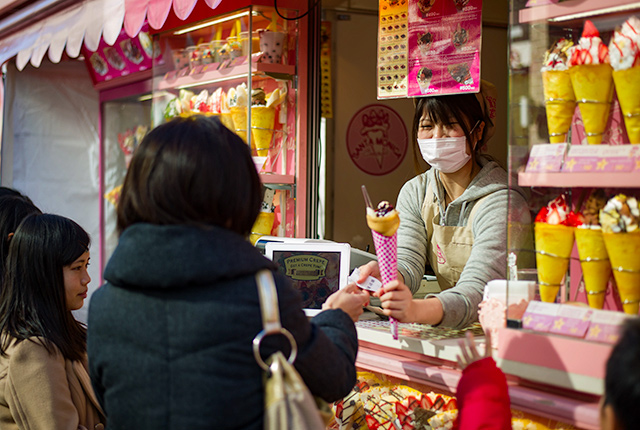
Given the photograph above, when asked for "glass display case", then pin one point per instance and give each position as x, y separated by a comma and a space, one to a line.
571, 127
573, 151
125, 119
243, 67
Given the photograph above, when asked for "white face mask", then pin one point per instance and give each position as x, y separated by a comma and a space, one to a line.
447, 154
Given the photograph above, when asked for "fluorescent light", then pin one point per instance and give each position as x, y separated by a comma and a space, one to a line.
621, 8
209, 23
213, 81
150, 96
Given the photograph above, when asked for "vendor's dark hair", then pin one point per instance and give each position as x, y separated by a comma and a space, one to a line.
33, 299
191, 171
622, 379
465, 108
14, 207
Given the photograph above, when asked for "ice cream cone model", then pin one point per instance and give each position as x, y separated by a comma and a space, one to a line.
227, 120
553, 230
262, 226
619, 219
239, 117
553, 249
627, 84
592, 82
624, 57
262, 124
624, 252
594, 261
560, 101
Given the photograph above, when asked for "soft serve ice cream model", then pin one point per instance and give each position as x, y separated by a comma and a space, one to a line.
624, 55
559, 98
592, 82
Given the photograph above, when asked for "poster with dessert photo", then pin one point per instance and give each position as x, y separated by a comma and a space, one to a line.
125, 57
429, 47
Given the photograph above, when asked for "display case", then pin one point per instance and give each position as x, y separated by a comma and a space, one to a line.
245, 67
125, 118
573, 147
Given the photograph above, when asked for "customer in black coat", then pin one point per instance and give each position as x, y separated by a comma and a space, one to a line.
170, 333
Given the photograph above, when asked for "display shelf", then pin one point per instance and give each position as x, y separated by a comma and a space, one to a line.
213, 75
554, 360
564, 179
269, 178
440, 375
575, 9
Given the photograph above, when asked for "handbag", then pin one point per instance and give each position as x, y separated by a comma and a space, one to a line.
288, 402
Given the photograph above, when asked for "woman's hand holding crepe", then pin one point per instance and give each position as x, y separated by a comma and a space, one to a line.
397, 301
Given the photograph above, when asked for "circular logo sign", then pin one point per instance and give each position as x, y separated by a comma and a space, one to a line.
377, 139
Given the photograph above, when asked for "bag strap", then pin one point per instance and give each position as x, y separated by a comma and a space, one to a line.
270, 317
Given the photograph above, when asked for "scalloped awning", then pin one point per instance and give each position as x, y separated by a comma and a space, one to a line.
89, 21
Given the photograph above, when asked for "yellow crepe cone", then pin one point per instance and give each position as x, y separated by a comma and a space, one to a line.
593, 88
627, 84
239, 115
624, 253
553, 249
560, 103
262, 123
594, 260
262, 225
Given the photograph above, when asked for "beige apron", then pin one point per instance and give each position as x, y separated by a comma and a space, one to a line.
449, 247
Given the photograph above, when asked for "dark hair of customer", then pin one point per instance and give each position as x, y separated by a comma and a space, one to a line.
191, 171
14, 207
462, 108
32, 301
622, 379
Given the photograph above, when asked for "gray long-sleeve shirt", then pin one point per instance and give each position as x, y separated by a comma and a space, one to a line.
488, 259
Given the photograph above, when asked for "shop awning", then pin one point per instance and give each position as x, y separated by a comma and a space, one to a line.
88, 22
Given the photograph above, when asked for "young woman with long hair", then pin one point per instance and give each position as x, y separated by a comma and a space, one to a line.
44, 383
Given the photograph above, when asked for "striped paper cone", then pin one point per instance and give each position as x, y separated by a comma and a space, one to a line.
387, 253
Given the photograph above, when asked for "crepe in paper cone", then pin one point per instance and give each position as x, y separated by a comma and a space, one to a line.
593, 87
262, 123
627, 84
560, 103
553, 249
594, 260
239, 116
624, 253
387, 253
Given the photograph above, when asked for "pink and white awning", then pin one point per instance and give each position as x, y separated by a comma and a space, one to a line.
89, 21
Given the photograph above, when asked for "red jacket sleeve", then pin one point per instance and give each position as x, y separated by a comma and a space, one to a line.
483, 398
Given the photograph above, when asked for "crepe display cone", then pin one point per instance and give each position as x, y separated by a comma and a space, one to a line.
593, 87
262, 226
627, 84
553, 249
624, 253
239, 116
262, 124
594, 261
560, 103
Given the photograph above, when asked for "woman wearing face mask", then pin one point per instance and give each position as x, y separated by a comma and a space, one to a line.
453, 216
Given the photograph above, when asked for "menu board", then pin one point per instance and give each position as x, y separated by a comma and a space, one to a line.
428, 47
126, 56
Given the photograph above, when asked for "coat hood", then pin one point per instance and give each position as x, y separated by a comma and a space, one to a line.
171, 256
